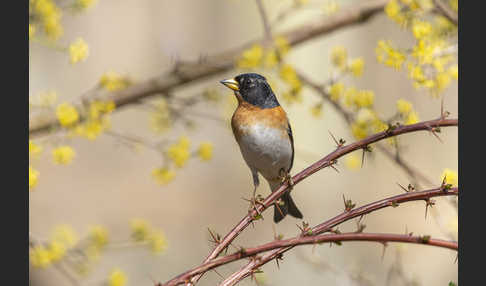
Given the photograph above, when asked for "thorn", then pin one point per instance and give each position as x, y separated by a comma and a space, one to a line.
385, 245
434, 131
428, 202
338, 144
457, 256
348, 204
406, 191
362, 158
218, 273
332, 165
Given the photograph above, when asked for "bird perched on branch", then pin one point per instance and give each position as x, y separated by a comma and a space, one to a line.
263, 132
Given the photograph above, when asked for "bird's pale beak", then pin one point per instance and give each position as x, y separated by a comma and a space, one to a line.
231, 83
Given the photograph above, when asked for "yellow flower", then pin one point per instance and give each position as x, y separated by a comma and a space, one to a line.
163, 175
289, 75
416, 73
78, 51
113, 81
364, 98
205, 151
98, 108
67, 114
392, 9
454, 72
84, 4
282, 45
251, 57
349, 96
451, 177
339, 57
56, 251
39, 256
271, 59
359, 131
63, 155
356, 67
421, 29
454, 4
316, 110
50, 17
412, 118
387, 55
179, 152
404, 107
33, 177
365, 116
336, 90
442, 80
34, 149
158, 242
353, 162
140, 229
117, 278
65, 235
31, 31
98, 236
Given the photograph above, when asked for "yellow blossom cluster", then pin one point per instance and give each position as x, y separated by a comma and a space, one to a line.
405, 109
256, 56
389, 56
67, 114
63, 155
48, 15
44, 254
97, 119
339, 58
163, 175
33, 177
113, 81
289, 76
205, 151
430, 61
117, 278
179, 152
450, 176
97, 238
142, 231
78, 51
34, 149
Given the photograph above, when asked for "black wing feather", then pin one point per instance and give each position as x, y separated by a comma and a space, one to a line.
289, 131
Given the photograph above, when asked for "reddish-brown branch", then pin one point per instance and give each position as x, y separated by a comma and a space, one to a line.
316, 231
324, 162
186, 73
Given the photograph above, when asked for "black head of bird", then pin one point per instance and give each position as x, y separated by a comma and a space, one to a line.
254, 89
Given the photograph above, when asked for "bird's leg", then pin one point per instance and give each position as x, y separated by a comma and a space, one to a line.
286, 177
254, 201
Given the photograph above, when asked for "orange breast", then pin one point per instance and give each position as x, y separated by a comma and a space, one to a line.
248, 115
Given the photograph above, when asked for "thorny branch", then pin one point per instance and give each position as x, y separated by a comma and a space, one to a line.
327, 161
314, 235
187, 73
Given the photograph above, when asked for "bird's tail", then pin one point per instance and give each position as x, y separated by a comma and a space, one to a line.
287, 205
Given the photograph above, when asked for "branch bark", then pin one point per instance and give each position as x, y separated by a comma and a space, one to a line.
321, 228
443, 9
186, 73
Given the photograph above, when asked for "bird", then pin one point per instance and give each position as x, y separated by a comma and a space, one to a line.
263, 133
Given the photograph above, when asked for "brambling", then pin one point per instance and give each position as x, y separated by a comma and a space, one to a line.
263, 132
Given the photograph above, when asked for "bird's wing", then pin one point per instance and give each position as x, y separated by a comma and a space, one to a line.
289, 131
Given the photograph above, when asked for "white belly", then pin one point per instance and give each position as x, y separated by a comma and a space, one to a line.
266, 150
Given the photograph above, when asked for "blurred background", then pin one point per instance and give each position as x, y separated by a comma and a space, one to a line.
110, 184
